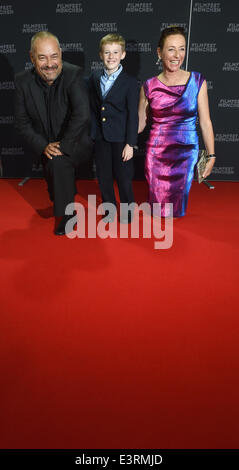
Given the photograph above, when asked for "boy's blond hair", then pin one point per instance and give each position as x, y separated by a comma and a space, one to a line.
110, 38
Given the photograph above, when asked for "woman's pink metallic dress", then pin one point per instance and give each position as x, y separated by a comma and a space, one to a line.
172, 147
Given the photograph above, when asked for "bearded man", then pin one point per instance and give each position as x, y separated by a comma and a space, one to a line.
52, 115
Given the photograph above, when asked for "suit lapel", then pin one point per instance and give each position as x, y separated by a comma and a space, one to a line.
97, 84
38, 99
116, 85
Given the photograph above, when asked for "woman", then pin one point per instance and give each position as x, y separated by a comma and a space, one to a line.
172, 101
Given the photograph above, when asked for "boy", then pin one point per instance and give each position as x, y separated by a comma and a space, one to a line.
114, 99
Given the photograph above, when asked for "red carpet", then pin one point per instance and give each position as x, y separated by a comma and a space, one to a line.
111, 343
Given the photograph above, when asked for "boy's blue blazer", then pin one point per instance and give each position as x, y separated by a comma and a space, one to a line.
115, 117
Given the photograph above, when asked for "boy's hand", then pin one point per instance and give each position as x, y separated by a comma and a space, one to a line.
127, 153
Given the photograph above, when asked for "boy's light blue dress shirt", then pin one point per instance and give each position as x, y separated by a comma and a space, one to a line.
107, 81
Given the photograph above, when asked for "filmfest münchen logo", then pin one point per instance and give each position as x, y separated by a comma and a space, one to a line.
228, 103
203, 47
6, 119
34, 28
223, 170
8, 49
209, 85
232, 138
12, 151
7, 86
138, 46
28, 65
207, 7
231, 67
37, 169
96, 65
173, 23
72, 47
233, 28
133, 7
103, 27
6, 10
69, 8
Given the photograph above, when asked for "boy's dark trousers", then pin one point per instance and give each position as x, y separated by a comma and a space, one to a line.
109, 163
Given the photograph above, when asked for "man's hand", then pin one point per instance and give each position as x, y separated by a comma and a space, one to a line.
127, 153
52, 150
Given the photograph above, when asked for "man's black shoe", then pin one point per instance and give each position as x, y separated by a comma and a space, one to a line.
61, 228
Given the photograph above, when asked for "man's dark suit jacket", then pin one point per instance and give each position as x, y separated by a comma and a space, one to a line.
70, 119
115, 117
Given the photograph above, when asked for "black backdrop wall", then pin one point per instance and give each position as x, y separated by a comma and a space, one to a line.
213, 31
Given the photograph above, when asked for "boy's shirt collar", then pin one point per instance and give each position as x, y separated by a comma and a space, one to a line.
107, 81
114, 75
